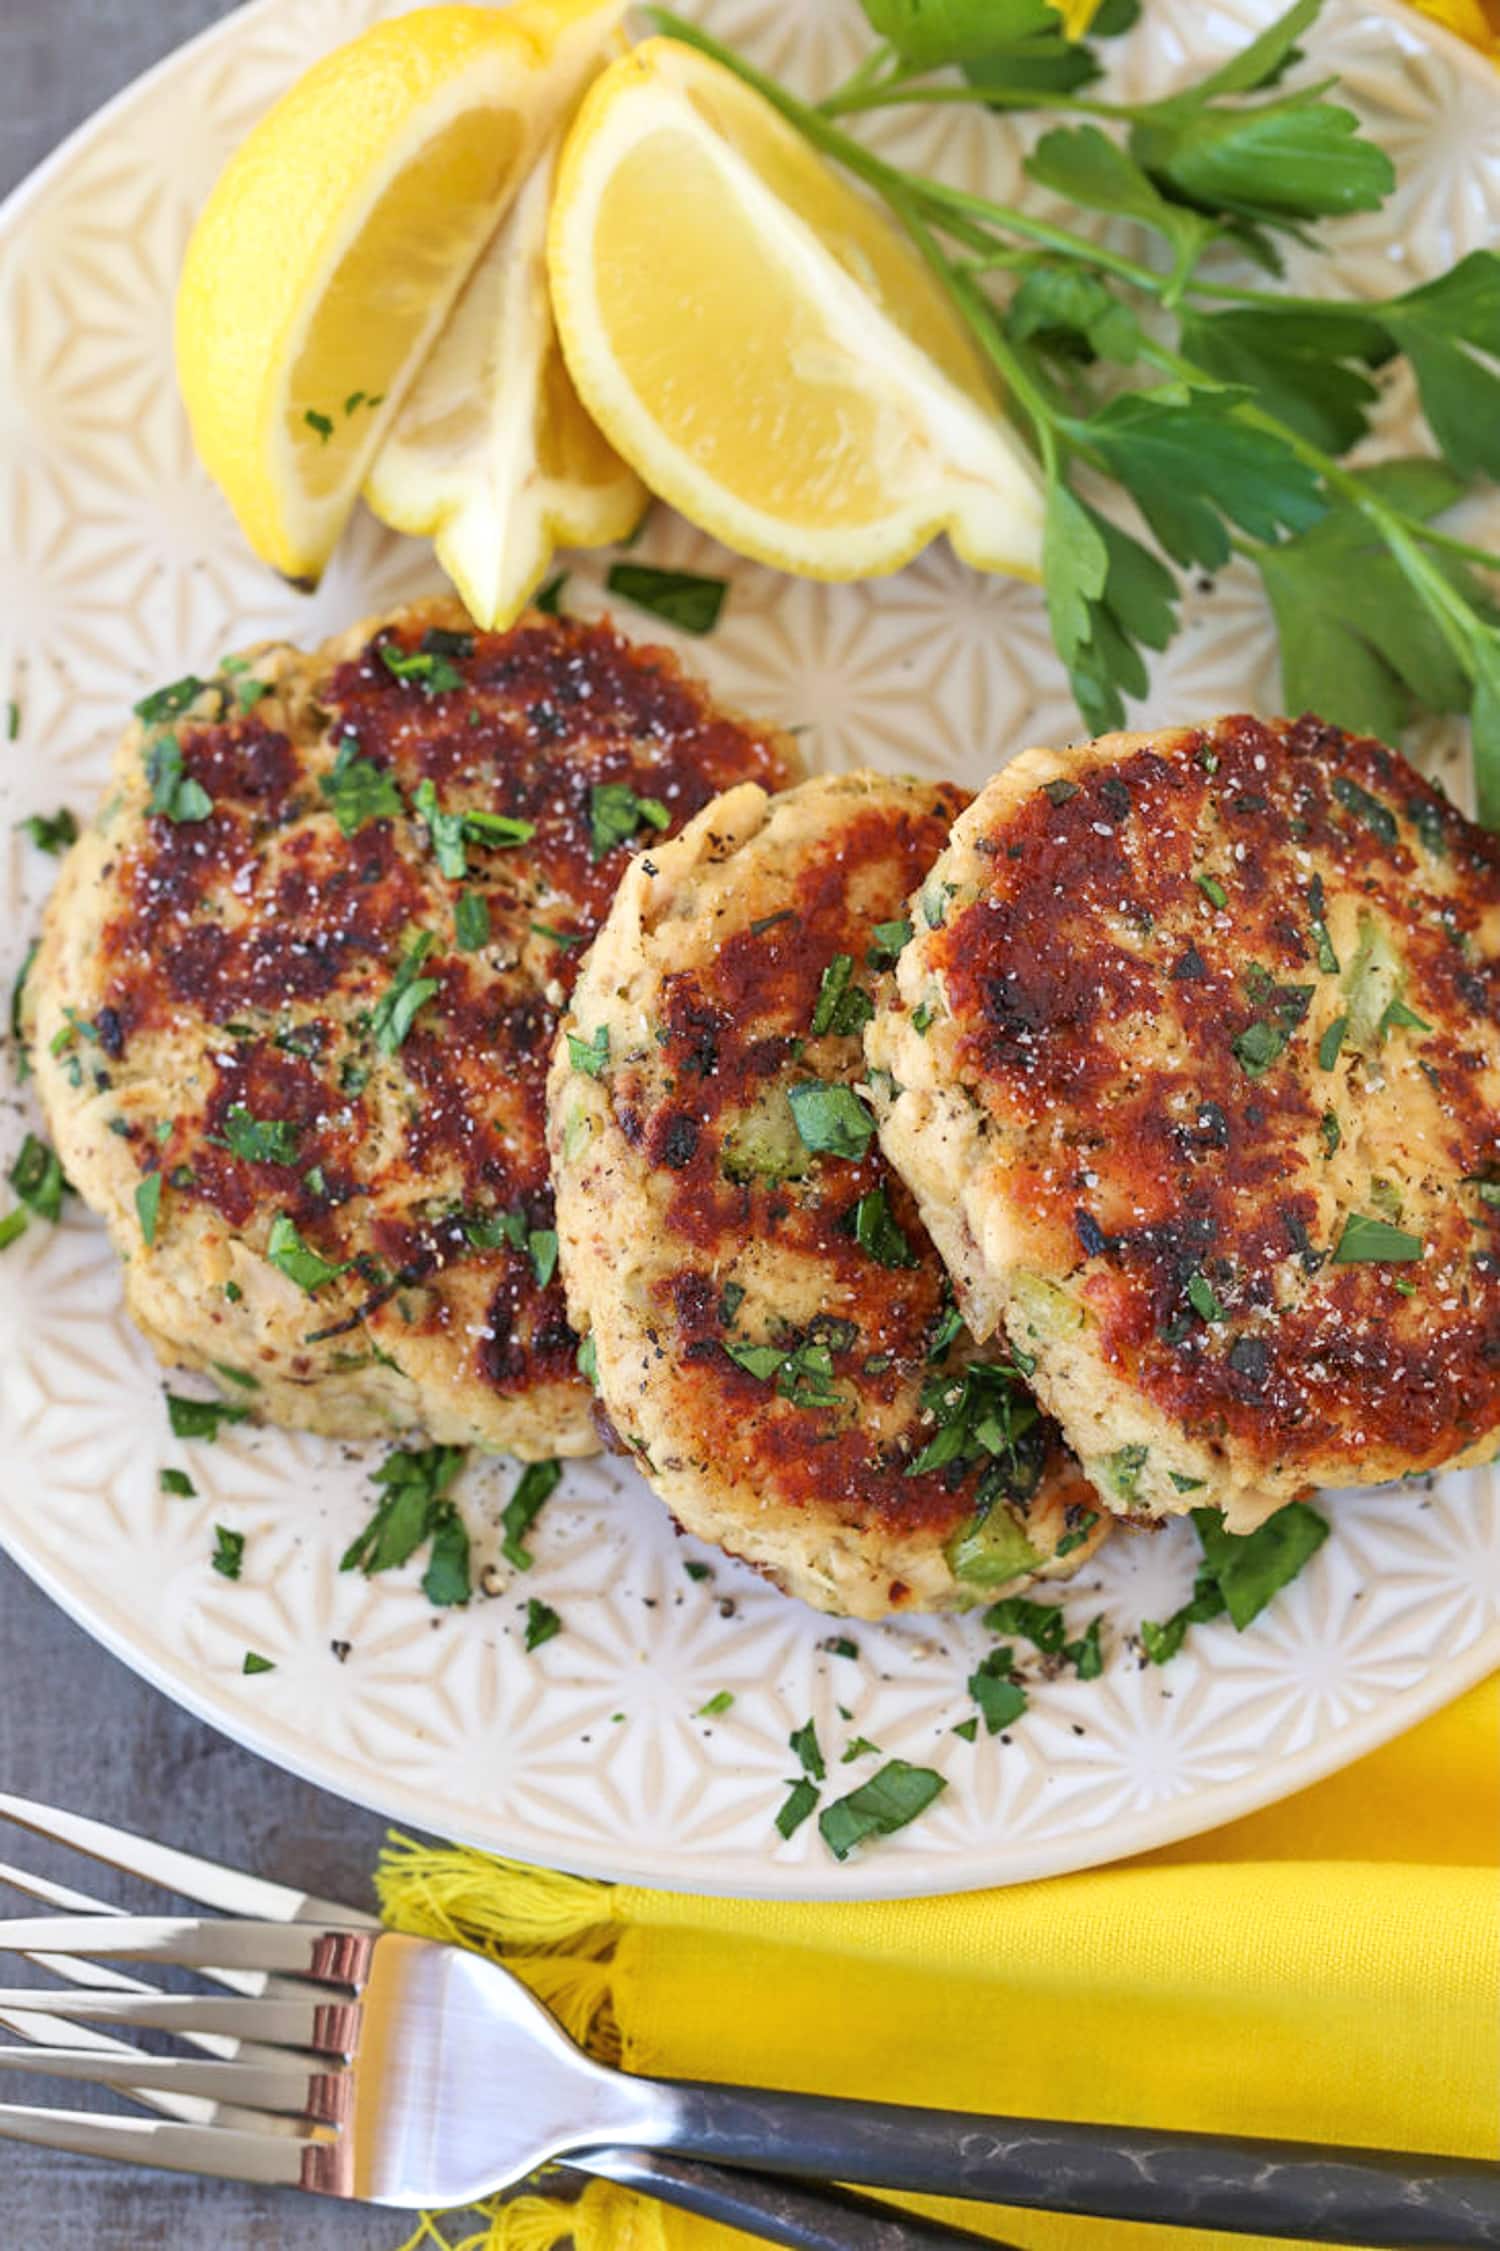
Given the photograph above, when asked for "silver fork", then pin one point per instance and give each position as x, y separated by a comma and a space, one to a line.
415, 2074
805, 2217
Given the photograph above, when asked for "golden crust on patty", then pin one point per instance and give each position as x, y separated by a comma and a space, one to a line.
297, 990
772, 1330
1207, 1108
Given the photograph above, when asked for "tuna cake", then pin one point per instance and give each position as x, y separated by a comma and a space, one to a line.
297, 991
1195, 1073
773, 1333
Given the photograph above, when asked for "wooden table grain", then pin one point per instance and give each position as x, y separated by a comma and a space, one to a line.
76, 1727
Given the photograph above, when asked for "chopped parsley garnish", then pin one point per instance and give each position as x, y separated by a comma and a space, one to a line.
320, 424
542, 1622
255, 1663
240, 1376
51, 832
446, 641
17, 997
496, 832
1212, 889
201, 1418
1085, 1654
358, 789
229, 1552
762, 1361
800, 1801
1377, 817
1202, 1299
591, 1056
434, 674
534, 1488
859, 1747
173, 792
37, 1178
840, 1008
1397, 1014
968, 1729
831, 1119
541, 1243
1072, 1541
997, 1692
565, 938
1257, 1047
804, 1741
12, 719
548, 598
888, 938
948, 1325
260, 1141
876, 1231
586, 1361
169, 702
451, 833
297, 1260
698, 1571
148, 1207
13, 1226
1331, 1042
1364, 1238
984, 1415
1240, 1572
1331, 1131
839, 1645
412, 1508
394, 1012
716, 1705
1328, 960
879, 1807
684, 598
1040, 1623
178, 1484
615, 814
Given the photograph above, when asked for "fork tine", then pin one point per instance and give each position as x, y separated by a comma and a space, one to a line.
61, 1896
206, 1881
223, 2152
327, 2027
287, 2085
50, 2032
328, 1956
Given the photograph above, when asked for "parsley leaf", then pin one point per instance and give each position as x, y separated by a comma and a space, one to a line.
591, 1056
298, 1261
1450, 332
358, 789
169, 702
542, 1623
841, 1007
51, 832
879, 1807
413, 1482
1363, 1238
260, 1141
1040, 1623
394, 1012
201, 1418
229, 1552
831, 1119
471, 922
429, 668
1194, 469
174, 792
534, 1488
804, 1741
148, 1207
999, 1695
1249, 1568
37, 1178
800, 1801
684, 598
877, 1233
615, 813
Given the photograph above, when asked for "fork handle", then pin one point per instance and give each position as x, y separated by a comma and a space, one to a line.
1301, 2189
777, 2210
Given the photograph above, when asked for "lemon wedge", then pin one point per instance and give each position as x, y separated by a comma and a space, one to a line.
339, 234
492, 456
762, 345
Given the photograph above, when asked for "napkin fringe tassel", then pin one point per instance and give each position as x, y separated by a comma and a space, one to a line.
604, 2218
497, 1906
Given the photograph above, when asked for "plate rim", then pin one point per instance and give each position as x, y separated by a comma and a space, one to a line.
1196, 1813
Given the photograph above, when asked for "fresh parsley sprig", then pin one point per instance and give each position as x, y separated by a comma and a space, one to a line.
1246, 401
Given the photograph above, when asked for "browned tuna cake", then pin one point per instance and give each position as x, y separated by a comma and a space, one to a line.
1195, 1073
773, 1332
297, 992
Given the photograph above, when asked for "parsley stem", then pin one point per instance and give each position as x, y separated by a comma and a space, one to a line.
888, 93
1485, 557
865, 76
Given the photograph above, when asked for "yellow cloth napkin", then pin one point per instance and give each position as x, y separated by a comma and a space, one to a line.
1328, 1969
1478, 21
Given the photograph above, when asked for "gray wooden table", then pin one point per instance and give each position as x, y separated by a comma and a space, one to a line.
77, 1728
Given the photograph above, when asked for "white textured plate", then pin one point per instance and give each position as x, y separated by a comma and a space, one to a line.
121, 568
